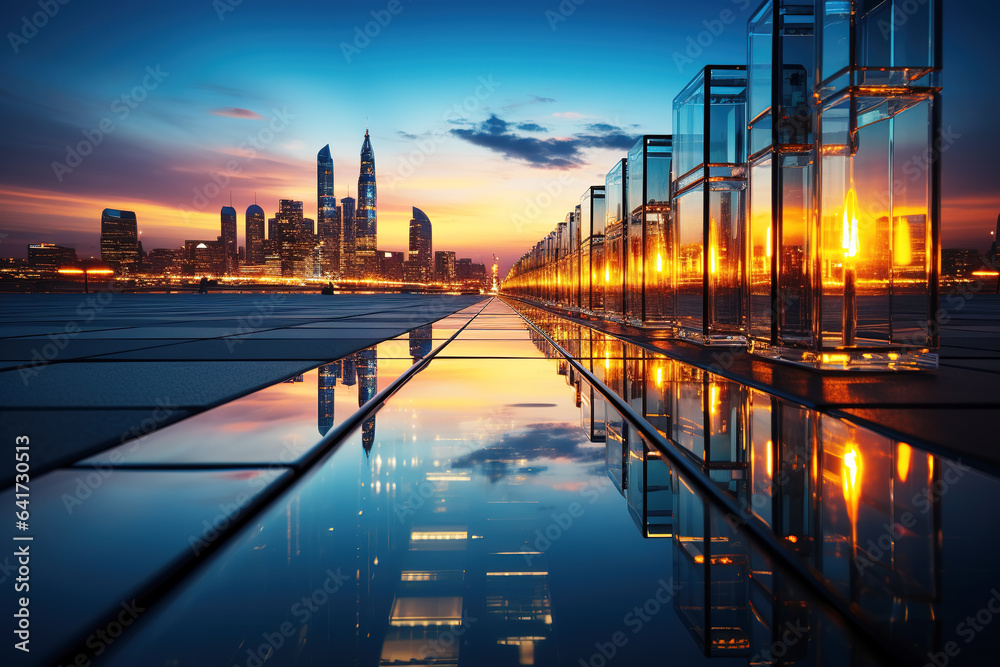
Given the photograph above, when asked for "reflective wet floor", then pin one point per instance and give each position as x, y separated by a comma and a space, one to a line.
498, 510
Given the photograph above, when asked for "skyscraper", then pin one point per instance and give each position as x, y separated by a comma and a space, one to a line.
327, 218
290, 210
229, 239
290, 238
324, 172
119, 239
255, 234
348, 227
421, 258
366, 217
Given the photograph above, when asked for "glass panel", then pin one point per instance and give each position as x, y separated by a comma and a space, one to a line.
761, 49
598, 273
761, 250
727, 117
690, 249
615, 203
794, 289
658, 262
725, 261
689, 126
635, 250
896, 44
875, 255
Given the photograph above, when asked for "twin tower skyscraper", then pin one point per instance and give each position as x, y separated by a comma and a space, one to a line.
349, 231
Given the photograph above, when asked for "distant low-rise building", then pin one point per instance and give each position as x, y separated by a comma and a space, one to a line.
49, 257
166, 261
958, 264
206, 257
391, 265
444, 266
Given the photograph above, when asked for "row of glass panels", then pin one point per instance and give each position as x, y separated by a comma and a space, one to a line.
801, 214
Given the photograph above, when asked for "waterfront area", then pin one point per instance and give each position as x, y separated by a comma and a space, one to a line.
475, 480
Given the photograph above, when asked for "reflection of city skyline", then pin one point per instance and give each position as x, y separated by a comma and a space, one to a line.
360, 367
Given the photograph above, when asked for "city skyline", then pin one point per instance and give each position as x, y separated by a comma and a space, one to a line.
485, 143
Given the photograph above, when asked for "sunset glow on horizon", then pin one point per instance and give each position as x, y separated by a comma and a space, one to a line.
494, 141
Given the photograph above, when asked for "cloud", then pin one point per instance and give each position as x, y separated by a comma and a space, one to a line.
532, 99
567, 114
537, 442
408, 136
500, 136
237, 112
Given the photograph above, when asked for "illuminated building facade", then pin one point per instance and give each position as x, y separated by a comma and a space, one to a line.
420, 255
119, 240
366, 215
391, 265
49, 256
206, 258
254, 234
228, 237
444, 266
348, 262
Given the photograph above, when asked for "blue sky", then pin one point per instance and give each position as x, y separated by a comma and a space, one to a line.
492, 118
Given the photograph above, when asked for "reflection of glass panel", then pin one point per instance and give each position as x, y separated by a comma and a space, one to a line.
713, 562
650, 491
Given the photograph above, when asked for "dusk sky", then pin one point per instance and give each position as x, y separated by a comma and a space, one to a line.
491, 117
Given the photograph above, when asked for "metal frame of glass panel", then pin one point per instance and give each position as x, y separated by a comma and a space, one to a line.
650, 293
875, 247
615, 240
708, 202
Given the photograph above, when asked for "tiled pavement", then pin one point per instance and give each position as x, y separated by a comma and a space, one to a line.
78, 373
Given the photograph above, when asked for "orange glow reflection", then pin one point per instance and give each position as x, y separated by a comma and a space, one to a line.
852, 477
769, 463
850, 235
903, 453
902, 250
